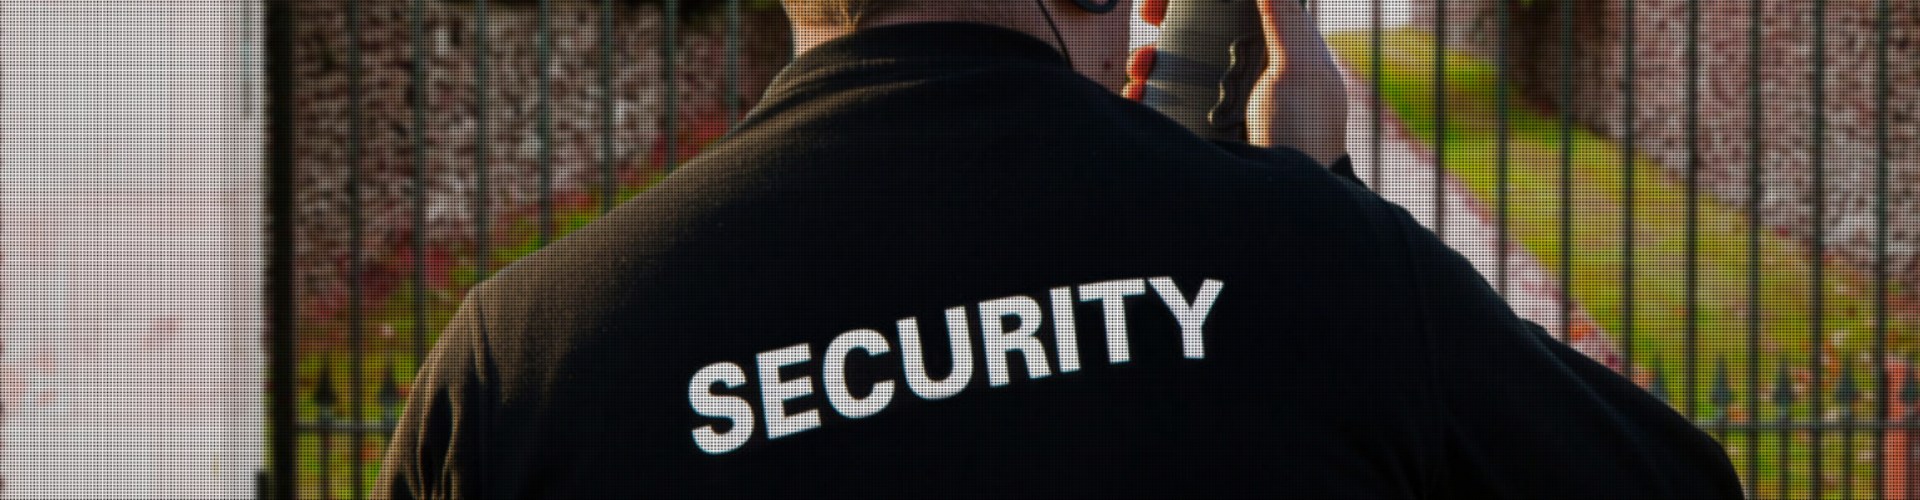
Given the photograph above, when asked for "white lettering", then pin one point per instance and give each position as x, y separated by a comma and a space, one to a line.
707, 404
1112, 296
1192, 315
962, 344
835, 374
998, 344
1065, 338
774, 393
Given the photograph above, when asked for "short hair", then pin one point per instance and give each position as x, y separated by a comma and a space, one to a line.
838, 12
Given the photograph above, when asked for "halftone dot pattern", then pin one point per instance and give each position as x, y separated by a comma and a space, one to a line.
1719, 200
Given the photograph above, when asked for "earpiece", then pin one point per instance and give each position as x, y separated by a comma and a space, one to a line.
1096, 6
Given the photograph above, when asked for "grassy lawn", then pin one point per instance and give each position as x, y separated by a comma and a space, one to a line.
1659, 296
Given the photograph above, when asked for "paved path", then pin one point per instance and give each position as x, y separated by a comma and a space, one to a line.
1406, 177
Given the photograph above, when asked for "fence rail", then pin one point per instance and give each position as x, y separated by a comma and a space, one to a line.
1807, 376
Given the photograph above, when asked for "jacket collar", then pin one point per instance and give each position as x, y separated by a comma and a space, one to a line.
949, 46
939, 41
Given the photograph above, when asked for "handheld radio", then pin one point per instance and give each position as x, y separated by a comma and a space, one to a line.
1209, 56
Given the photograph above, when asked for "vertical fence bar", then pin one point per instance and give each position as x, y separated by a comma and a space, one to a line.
323, 401
389, 397
1657, 381
1783, 404
1627, 206
1693, 203
669, 48
606, 106
417, 93
1722, 398
1847, 394
1566, 170
355, 323
1375, 59
1500, 145
1819, 234
1753, 241
545, 122
1880, 250
483, 232
1440, 118
279, 275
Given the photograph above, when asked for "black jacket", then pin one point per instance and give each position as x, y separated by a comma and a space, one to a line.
1138, 312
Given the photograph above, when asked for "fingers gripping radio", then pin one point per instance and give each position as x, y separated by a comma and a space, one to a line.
1209, 56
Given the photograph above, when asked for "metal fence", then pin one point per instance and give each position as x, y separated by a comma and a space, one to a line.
1803, 414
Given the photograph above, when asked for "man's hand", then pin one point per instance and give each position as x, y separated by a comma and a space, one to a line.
1300, 102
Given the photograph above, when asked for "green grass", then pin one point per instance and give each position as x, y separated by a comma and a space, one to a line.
1659, 207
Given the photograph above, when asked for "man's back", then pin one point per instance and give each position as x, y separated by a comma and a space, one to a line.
925, 273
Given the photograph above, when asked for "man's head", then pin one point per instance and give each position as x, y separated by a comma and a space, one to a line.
1097, 42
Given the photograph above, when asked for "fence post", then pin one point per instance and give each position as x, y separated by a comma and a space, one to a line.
279, 278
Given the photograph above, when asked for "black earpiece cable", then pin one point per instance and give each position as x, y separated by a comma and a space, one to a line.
1056, 31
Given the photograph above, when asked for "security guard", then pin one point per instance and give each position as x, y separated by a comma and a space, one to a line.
939, 259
